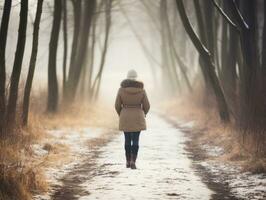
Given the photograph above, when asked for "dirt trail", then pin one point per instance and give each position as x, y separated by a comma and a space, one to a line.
169, 167
165, 170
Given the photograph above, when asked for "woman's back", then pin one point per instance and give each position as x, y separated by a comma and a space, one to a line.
131, 92
132, 105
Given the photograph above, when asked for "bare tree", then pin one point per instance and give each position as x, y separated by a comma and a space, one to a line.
3, 38
74, 49
74, 75
34, 51
15, 76
52, 102
97, 80
206, 56
65, 36
181, 64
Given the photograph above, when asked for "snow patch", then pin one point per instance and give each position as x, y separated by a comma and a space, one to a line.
76, 141
243, 185
213, 150
38, 150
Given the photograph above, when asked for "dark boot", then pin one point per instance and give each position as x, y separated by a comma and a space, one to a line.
133, 161
128, 153
128, 158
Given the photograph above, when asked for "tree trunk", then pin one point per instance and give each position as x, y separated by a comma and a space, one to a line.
26, 99
170, 79
64, 3
74, 50
15, 76
263, 64
3, 38
108, 22
52, 102
248, 81
209, 17
180, 63
203, 36
82, 50
92, 52
210, 68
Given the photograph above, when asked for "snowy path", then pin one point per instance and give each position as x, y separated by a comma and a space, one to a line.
169, 167
164, 169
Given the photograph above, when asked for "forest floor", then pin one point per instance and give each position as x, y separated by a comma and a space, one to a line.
171, 165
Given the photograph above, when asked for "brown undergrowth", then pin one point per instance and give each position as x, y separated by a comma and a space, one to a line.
238, 149
21, 170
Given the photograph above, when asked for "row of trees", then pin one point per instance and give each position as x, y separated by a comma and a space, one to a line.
231, 47
78, 63
227, 39
231, 57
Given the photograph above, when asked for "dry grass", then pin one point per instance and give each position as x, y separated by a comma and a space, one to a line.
21, 172
237, 150
78, 116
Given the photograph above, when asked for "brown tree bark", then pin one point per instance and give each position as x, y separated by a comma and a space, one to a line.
203, 36
74, 49
52, 102
65, 37
3, 38
15, 76
209, 65
92, 52
74, 76
249, 71
34, 52
208, 18
263, 64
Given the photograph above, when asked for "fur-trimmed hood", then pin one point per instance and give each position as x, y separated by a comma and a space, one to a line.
131, 83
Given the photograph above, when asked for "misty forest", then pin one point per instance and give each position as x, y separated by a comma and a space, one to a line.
68, 69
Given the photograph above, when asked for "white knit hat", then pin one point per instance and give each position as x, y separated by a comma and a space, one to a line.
132, 74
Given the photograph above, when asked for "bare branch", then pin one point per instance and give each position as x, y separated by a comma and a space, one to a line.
225, 16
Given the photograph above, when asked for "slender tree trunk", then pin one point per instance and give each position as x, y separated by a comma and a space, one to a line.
263, 63
105, 48
3, 38
209, 65
224, 50
52, 102
168, 77
203, 36
26, 99
231, 62
92, 51
15, 76
216, 38
74, 77
181, 64
209, 17
65, 36
74, 50
228, 62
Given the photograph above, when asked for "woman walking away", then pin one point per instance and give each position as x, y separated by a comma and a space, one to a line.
132, 105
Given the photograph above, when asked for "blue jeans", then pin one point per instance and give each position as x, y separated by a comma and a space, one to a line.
132, 142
